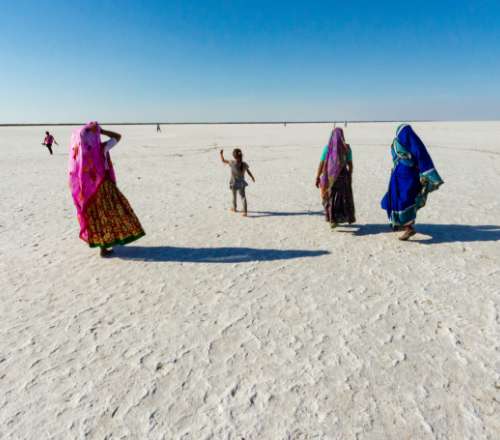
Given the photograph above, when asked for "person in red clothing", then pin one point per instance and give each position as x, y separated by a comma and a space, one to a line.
48, 141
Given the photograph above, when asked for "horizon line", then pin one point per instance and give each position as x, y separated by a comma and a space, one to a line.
360, 121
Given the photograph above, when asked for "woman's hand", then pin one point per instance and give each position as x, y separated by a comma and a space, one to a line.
319, 172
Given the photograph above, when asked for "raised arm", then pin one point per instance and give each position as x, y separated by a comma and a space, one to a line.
111, 134
222, 157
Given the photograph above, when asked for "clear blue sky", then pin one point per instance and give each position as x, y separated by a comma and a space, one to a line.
249, 60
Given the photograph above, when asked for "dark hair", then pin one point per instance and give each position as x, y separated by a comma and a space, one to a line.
238, 155
46, 132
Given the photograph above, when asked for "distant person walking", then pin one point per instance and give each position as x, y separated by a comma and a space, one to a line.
237, 184
48, 141
334, 178
413, 177
105, 216
158, 129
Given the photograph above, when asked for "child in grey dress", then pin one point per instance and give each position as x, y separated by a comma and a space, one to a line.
238, 183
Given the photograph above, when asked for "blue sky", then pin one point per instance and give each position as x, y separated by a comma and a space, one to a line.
249, 60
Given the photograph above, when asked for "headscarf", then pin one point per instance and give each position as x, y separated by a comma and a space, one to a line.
88, 167
409, 150
336, 159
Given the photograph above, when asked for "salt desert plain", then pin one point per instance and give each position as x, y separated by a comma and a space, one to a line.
214, 326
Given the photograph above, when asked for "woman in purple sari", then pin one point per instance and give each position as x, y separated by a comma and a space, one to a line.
334, 178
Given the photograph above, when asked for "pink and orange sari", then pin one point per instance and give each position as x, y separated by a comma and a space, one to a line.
104, 214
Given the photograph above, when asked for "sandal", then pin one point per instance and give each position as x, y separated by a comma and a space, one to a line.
106, 252
407, 234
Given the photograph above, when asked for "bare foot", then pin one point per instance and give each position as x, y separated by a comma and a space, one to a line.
244, 214
409, 232
106, 252
233, 210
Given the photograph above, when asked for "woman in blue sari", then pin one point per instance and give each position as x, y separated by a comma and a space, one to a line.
413, 177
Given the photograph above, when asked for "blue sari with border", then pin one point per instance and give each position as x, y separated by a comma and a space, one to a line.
413, 177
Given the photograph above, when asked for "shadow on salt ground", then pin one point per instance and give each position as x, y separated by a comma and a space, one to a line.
210, 255
256, 214
439, 233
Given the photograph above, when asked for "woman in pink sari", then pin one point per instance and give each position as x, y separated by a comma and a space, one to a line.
334, 178
105, 216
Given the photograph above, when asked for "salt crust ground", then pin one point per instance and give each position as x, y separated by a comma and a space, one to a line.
271, 327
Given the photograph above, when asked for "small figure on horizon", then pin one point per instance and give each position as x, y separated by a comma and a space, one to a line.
334, 179
48, 141
284, 124
345, 124
413, 177
238, 183
158, 128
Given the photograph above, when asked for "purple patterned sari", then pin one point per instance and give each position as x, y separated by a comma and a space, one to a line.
336, 159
